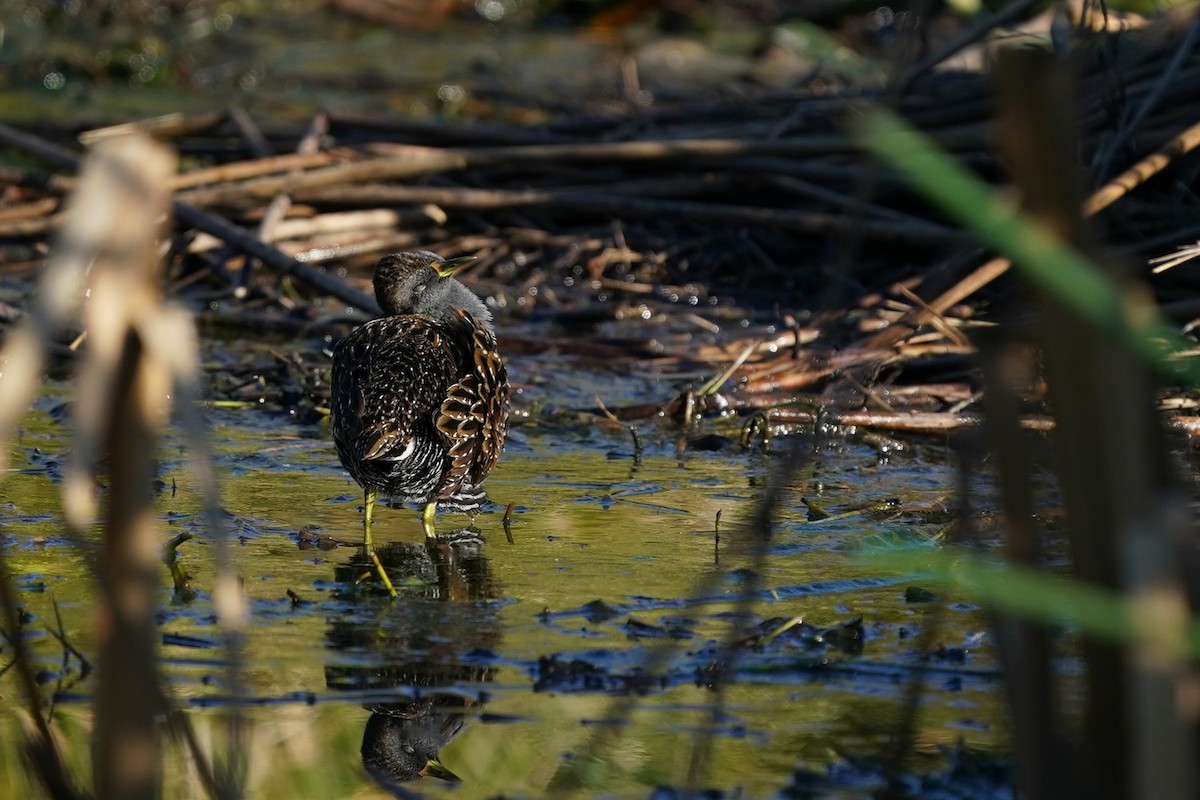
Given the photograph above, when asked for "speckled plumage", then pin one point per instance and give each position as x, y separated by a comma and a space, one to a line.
419, 405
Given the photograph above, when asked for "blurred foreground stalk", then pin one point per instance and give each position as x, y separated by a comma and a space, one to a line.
123, 400
1102, 342
1123, 507
137, 356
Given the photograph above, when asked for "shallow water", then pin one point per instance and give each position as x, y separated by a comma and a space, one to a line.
613, 588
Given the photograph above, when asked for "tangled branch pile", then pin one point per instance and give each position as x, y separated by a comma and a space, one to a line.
751, 240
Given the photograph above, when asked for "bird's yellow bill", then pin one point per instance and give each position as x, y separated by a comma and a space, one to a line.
434, 769
446, 267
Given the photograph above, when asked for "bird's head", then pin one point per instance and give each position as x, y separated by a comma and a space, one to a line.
420, 282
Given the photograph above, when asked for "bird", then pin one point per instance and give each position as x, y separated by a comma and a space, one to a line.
402, 742
420, 396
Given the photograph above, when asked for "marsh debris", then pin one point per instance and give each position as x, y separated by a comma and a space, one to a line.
765, 264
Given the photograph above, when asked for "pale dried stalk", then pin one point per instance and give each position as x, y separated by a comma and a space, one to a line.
137, 357
112, 224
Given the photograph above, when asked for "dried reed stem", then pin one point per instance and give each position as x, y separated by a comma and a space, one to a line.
113, 223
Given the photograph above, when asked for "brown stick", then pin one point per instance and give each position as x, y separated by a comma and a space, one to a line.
347, 222
212, 224
1102, 198
245, 241
1113, 473
935, 422
416, 161
922, 422
36, 209
318, 250
174, 124
810, 222
30, 227
255, 168
1143, 171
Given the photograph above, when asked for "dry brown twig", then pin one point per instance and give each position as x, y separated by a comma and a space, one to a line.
1102, 198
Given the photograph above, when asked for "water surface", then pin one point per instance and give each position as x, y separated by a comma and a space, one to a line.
522, 648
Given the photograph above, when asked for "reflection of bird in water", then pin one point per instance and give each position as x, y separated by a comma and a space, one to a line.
402, 741
420, 663
451, 566
419, 397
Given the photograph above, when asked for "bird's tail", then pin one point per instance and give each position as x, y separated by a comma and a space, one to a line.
468, 498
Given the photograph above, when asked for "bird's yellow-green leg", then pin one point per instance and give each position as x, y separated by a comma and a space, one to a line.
368, 509
427, 519
387, 582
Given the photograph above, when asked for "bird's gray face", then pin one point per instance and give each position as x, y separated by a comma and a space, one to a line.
419, 282
417, 292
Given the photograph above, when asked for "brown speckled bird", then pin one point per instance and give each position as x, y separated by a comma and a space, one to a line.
419, 406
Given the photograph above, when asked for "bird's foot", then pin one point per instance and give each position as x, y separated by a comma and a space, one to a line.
427, 520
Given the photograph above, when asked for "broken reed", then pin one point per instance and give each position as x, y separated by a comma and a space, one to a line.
103, 275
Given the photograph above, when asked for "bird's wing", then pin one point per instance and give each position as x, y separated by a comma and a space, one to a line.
388, 377
474, 417
493, 375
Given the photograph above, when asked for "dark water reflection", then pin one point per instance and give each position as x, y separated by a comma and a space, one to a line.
415, 654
